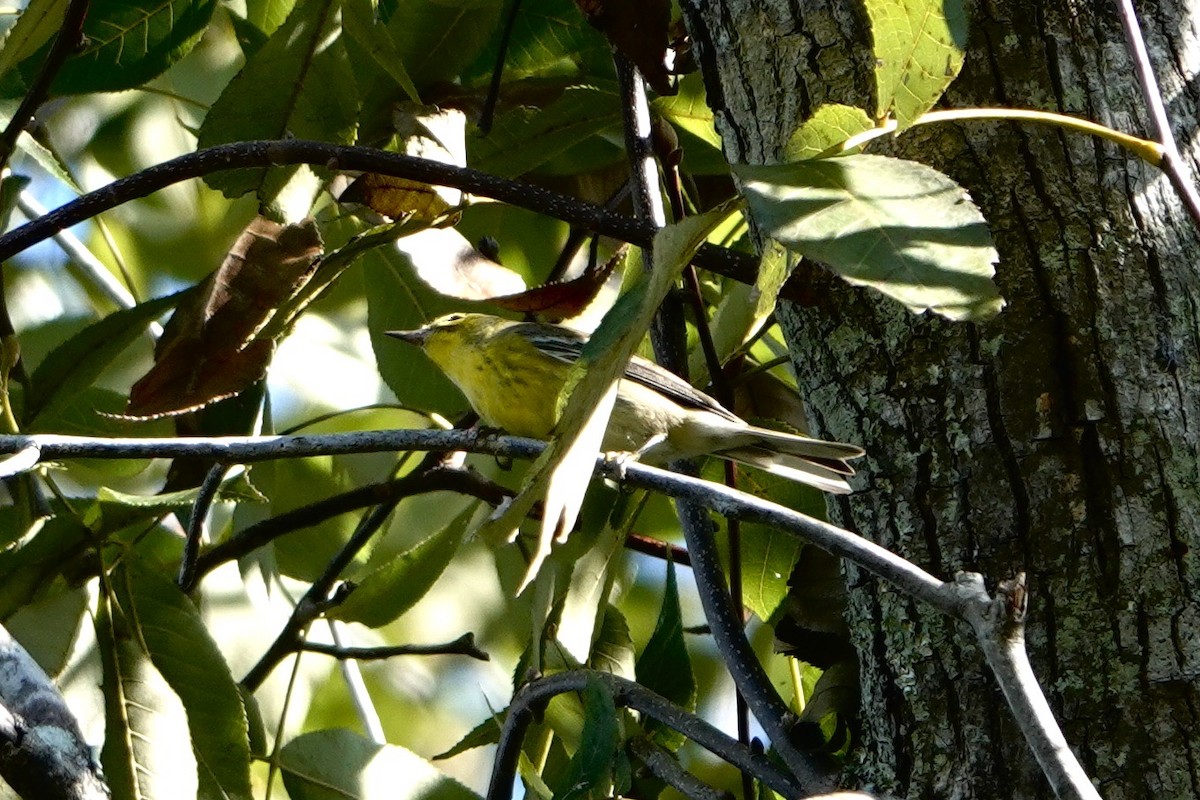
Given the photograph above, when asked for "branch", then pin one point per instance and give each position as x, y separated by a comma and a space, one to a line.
1003, 646
42, 753
999, 625
262, 533
462, 646
535, 694
728, 502
738, 266
663, 765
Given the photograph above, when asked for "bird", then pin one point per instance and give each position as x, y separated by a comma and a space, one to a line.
512, 373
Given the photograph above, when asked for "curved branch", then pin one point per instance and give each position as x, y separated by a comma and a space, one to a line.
739, 266
536, 693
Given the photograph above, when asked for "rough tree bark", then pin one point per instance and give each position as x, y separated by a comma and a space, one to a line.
1060, 439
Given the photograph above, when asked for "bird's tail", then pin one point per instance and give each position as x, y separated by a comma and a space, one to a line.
815, 462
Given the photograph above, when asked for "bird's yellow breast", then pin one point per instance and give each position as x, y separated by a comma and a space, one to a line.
509, 382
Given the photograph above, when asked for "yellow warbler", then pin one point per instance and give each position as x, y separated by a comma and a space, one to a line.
512, 373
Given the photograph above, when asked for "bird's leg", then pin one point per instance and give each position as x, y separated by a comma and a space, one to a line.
621, 458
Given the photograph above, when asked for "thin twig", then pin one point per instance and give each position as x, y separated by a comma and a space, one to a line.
733, 264
70, 35
999, 625
1160, 124
317, 599
259, 534
536, 693
205, 497
493, 95
462, 646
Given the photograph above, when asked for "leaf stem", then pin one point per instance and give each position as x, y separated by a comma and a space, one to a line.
1149, 151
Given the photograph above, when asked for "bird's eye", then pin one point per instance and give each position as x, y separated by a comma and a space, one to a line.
454, 317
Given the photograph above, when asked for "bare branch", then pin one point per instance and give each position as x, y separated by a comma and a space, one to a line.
736, 265
462, 646
999, 624
42, 753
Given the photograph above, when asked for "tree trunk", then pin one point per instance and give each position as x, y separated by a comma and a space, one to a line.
1060, 439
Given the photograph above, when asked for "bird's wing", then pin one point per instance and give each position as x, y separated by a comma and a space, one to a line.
566, 345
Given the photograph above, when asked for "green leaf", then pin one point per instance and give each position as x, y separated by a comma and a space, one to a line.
828, 127
341, 765
613, 649
768, 556
437, 39
523, 139
291, 484
483, 734
146, 753
371, 36
550, 39
590, 773
299, 84
127, 42
827, 717
73, 365
919, 47
49, 627
390, 590
48, 547
40, 20
664, 666
535, 787
584, 606
170, 630
268, 15
688, 109
900, 227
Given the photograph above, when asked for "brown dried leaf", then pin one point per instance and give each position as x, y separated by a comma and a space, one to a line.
208, 350
396, 197
640, 30
557, 301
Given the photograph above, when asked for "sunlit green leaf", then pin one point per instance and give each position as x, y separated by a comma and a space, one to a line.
830, 125
919, 48
612, 650
341, 765
900, 227
39, 20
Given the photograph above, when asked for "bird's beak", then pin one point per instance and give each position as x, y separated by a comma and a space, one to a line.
416, 337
